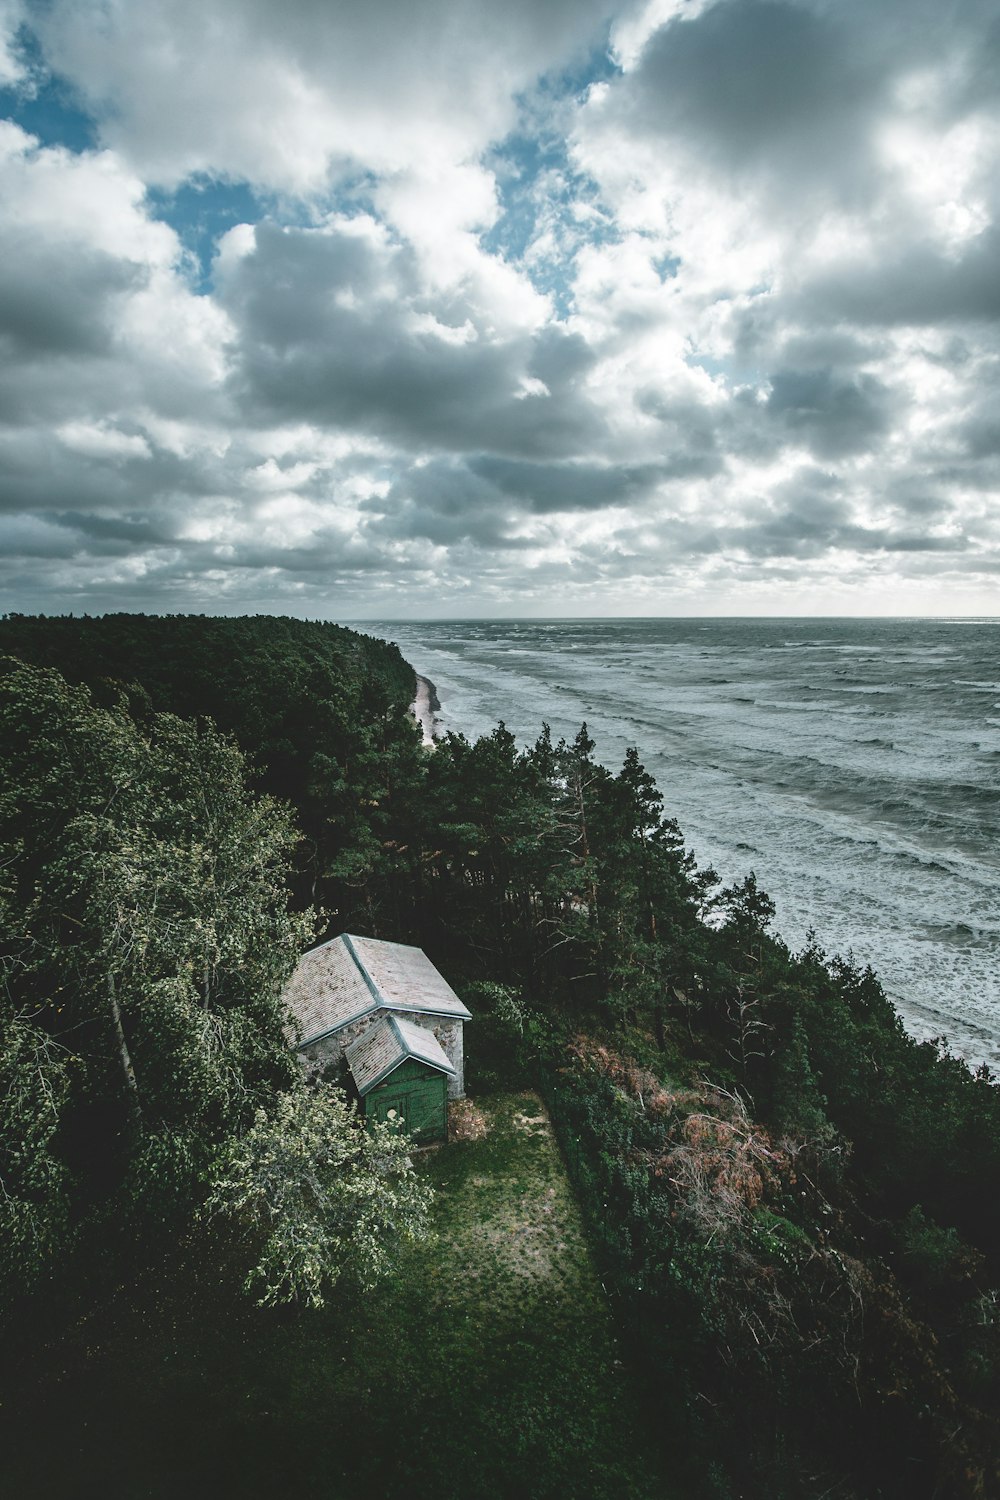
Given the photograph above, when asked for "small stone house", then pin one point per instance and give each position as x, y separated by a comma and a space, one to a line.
402, 1074
398, 1023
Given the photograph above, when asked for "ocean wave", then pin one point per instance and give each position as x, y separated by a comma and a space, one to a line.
865, 797
961, 934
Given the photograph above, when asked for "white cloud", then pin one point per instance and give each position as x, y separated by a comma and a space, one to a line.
98, 440
283, 95
269, 477
632, 31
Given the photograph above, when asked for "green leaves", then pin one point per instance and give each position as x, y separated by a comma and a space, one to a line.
33, 1181
145, 927
316, 1196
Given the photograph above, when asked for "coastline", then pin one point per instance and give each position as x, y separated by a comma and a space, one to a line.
423, 708
912, 890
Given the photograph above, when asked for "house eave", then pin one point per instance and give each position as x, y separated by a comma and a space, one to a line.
386, 1007
400, 1008
321, 1036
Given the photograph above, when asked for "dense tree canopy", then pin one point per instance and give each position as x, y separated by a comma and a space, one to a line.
791, 1197
146, 935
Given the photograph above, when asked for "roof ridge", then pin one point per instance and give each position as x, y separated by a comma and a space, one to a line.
377, 994
427, 1036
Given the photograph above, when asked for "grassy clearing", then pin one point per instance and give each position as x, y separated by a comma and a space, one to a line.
485, 1365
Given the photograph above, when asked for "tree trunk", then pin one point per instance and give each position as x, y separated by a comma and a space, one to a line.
131, 1087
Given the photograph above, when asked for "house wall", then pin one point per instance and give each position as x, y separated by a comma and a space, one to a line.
330, 1049
450, 1034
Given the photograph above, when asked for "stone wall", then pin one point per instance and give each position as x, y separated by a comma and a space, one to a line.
330, 1049
449, 1034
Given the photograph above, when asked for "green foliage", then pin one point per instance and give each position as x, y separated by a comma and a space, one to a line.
748, 1293
317, 1195
493, 1329
316, 708
145, 940
34, 1209
750, 1183
933, 1257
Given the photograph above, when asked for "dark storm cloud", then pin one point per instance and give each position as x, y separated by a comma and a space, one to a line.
977, 430
982, 81
688, 437
447, 503
804, 519
38, 473
981, 435
918, 285
485, 497
335, 328
833, 416
811, 531
80, 534
761, 85
558, 358
326, 556
442, 502
31, 537
829, 349
54, 302
566, 487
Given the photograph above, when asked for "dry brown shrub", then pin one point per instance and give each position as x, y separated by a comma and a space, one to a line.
658, 1101
721, 1164
465, 1121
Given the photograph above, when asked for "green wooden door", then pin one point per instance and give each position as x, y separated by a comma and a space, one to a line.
418, 1104
390, 1105
425, 1109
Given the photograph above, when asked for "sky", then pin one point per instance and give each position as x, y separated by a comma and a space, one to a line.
459, 309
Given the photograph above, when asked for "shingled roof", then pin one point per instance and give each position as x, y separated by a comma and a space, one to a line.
386, 1043
350, 977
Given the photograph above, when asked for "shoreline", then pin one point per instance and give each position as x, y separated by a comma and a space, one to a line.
424, 707
866, 896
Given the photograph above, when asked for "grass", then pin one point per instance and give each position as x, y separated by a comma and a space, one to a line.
485, 1365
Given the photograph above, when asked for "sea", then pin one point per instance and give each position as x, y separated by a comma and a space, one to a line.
852, 765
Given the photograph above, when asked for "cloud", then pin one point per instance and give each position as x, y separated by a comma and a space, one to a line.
12, 17
338, 326
834, 416
283, 96
94, 305
760, 88
912, 285
568, 306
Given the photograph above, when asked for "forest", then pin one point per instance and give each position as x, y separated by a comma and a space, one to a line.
793, 1203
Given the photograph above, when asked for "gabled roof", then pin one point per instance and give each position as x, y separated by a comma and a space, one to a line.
386, 1043
327, 990
350, 977
404, 978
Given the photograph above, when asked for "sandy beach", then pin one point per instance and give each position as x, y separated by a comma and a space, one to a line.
423, 709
